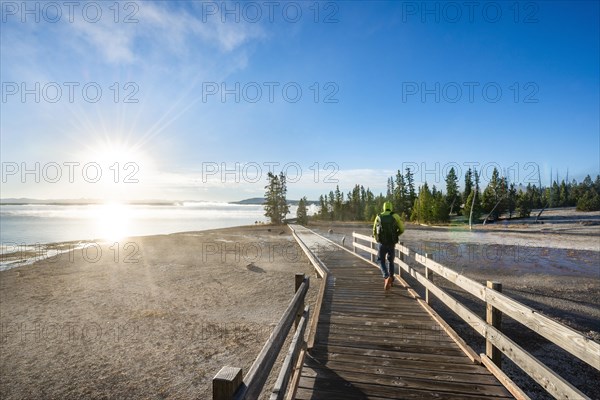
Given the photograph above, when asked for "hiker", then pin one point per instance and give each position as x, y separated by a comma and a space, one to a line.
387, 228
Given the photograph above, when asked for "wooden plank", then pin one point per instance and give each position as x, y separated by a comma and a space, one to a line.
331, 351
547, 378
406, 363
312, 331
467, 284
261, 368
291, 394
567, 338
395, 346
407, 394
421, 379
382, 385
502, 377
366, 248
415, 370
399, 334
323, 271
291, 357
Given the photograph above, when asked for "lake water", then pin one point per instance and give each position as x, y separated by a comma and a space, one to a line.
32, 224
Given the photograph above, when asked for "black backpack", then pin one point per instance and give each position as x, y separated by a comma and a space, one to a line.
387, 230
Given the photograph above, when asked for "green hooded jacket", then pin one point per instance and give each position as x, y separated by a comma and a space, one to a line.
387, 210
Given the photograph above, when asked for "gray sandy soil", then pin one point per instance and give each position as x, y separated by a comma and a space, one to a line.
156, 319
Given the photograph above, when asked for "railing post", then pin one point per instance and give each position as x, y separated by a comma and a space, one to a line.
226, 383
372, 247
299, 278
353, 242
429, 276
494, 318
401, 256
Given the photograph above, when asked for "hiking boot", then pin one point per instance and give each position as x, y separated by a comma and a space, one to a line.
388, 283
391, 281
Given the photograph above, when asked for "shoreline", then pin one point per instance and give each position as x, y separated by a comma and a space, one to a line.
26, 254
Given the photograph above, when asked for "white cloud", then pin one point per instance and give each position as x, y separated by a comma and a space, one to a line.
162, 30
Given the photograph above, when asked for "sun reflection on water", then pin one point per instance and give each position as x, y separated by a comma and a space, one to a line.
113, 221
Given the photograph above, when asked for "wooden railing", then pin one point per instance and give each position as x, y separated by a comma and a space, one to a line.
228, 383
323, 273
497, 304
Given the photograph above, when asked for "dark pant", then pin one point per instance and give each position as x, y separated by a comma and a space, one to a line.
387, 250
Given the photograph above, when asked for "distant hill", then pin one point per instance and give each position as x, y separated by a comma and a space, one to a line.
253, 200
261, 200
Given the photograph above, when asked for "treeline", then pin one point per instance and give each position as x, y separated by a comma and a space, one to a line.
432, 205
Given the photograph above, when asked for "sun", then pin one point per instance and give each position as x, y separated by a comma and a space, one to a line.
109, 152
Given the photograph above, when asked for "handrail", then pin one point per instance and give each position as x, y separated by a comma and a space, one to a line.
281, 385
227, 384
567, 338
323, 272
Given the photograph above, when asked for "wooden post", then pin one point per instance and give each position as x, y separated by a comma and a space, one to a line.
353, 242
226, 383
401, 256
372, 255
494, 318
429, 276
299, 278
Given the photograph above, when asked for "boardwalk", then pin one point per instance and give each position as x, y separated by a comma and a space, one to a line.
382, 345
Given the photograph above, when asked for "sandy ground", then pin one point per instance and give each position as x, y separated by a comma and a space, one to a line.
152, 317
553, 267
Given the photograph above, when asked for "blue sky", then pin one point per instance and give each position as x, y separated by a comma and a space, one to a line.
384, 85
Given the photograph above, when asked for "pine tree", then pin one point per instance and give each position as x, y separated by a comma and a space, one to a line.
338, 203
524, 203
276, 207
410, 187
563, 195
370, 206
423, 208
468, 185
332, 215
400, 195
476, 206
511, 200
323, 210
452, 194
302, 213
493, 200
